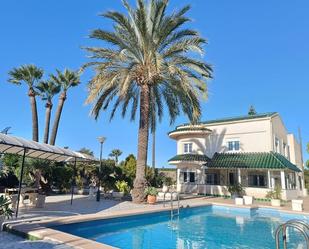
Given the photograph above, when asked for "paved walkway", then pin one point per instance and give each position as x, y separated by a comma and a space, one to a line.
10, 241
60, 206
285, 206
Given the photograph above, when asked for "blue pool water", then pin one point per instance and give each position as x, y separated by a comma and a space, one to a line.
197, 228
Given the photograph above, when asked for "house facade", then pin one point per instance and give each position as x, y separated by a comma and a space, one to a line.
254, 150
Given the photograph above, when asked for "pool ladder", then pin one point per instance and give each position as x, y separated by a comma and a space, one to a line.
172, 205
299, 225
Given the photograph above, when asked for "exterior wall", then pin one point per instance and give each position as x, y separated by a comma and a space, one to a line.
279, 131
295, 151
213, 190
289, 194
257, 192
296, 158
257, 135
188, 187
253, 136
198, 144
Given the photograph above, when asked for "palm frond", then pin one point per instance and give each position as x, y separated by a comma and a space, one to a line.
29, 74
65, 79
148, 46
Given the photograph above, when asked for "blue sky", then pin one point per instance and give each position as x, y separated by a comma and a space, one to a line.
259, 50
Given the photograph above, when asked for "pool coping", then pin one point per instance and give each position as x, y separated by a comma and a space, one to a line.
40, 230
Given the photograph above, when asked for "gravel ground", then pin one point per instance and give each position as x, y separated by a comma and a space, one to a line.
10, 241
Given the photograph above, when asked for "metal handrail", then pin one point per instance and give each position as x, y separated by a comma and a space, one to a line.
305, 224
297, 224
172, 204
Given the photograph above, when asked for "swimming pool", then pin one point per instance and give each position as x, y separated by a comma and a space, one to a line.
196, 228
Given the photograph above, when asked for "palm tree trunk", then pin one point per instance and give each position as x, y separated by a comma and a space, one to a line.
140, 181
34, 111
153, 149
47, 121
61, 101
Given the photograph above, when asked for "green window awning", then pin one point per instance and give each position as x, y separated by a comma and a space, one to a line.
189, 158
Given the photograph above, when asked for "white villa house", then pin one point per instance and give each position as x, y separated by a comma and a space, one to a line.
254, 150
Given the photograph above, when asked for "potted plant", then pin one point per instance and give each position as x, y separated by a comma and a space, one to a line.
235, 190
123, 188
151, 193
5, 210
275, 196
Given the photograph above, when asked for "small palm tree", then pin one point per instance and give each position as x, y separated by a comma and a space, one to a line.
30, 75
252, 111
47, 90
65, 80
86, 151
150, 63
116, 153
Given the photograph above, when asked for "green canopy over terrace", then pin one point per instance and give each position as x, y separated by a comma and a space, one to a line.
254, 160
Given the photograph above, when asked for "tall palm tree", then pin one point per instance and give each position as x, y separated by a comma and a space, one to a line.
31, 75
153, 124
150, 62
47, 90
153, 146
115, 153
66, 80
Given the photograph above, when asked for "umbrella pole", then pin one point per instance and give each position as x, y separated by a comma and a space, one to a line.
20, 182
73, 182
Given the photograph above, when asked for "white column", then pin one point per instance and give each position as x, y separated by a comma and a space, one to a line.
305, 193
269, 179
198, 180
178, 187
282, 174
239, 176
297, 181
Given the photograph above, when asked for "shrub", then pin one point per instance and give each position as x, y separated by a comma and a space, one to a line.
122, 186
5, 209
275, 194
168, 181
151, 191
236, 189
62, 178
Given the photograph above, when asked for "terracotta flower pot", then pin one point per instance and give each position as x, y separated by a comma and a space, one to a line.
151, 199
